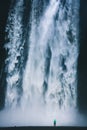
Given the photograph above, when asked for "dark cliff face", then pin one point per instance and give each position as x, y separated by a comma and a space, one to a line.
4, 9
82, 61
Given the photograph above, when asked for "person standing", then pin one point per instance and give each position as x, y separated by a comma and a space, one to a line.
54, 122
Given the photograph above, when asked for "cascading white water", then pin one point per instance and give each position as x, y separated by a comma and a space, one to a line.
58, 29
14, 47
49, 77
35, 68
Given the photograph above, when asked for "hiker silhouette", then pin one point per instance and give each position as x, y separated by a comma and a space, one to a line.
54, 122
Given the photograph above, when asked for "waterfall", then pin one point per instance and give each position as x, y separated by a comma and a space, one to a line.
41, 65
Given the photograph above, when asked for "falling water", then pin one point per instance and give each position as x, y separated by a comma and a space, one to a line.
15, 50
41, 65
51, 69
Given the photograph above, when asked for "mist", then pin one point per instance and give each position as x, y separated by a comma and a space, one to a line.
38, 116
